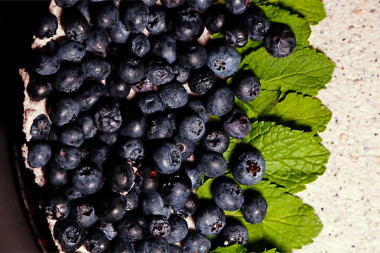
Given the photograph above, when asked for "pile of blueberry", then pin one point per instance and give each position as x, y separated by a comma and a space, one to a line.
121, 174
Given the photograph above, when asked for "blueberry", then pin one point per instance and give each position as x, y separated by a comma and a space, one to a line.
70, 50
220, 101
175, 248
131, 200
193, 55
108, 138
71, 135
174, 95
227, 195
117, 88
153, 245
246, 86
280, 41
157, 21
83, 214
63, 111
153, 204
165, 47
111, 208
192, 128
190, 207
200, 5
169, 4
236, 124
132, 228
159, 227
193, 174
215, 140
69, 235
167, 157
132, 150
181, 72
143, 85
97, 242
196, 106
38, 88
119, 34
210, 220
40, 127
65, 3
159, 73
121, 177
254, 208
186, 24
72, 193
175, 190
149, 3
108, 230
68, 158
39, 154
89, 94
237, 7
235, 35
57, 208
138, 44
47, 26
135, 16
159, 127
46, 63
234, 233
98, 155
223, 61
83, 7
196, 242
95, 68
134, 127
87, 180
186, 147
69, 78
201, 81
75, 25
104, 15
86, 123
256, 23
147, 180
97, 42
216, 18
248, 166
108, 118
131, 69
121, 245
179, 229
211, 164
54, 175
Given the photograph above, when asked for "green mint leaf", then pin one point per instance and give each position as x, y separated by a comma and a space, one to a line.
289, 224
295, 110
312, 10
305, 70
271, 251
293, 158
299, 26
235, 248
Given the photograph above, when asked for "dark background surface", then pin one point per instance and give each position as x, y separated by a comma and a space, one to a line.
17, 19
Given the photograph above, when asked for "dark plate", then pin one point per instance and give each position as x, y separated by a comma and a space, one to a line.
23, 227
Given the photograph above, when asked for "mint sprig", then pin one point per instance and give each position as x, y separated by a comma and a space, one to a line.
294, 110
312, 10
304, 71
289, 223
293, 158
